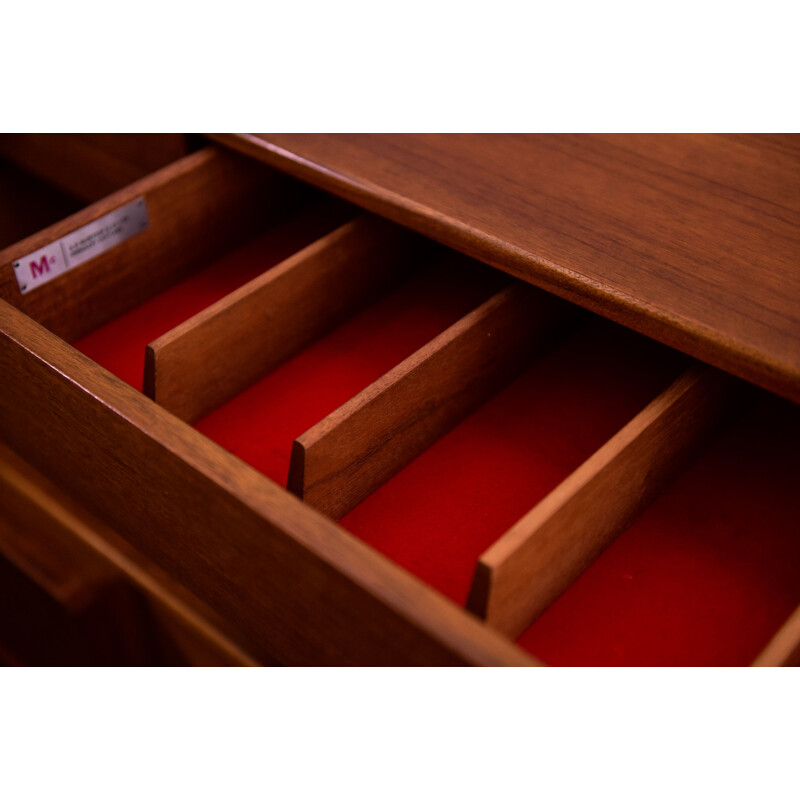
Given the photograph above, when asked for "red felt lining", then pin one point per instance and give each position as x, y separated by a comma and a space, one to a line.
260, 424
707, 574
437, 516
119, 346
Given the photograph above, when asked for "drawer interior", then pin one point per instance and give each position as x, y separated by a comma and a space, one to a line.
594, 496
438, 514
708, 573
261, 423
119, 345
200, 227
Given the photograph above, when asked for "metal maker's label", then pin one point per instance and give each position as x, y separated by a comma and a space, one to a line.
81, 245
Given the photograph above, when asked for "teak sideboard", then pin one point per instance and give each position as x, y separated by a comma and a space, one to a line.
399, 399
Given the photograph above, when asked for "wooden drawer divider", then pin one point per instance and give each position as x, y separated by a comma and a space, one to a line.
346, 456
299, 588
189, 224
540, 556
219, 527
200, 364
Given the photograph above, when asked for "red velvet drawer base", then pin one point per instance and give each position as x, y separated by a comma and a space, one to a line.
707, 574
441, 512
119, 346
260, 424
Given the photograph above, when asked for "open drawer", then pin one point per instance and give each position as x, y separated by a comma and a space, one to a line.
461, 450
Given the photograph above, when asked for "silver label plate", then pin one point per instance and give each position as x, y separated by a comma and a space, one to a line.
82, 245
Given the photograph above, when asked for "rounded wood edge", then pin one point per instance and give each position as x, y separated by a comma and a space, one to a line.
694, 339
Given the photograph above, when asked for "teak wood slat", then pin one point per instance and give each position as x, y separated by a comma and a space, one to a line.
197, 208
538, 558
93, 165
73, 556
689, 239
358, 447
297, 587
219, 352
784, 648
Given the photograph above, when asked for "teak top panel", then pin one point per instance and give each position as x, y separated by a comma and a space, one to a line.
690, 239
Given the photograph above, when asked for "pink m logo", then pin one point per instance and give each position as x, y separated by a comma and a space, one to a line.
40, 268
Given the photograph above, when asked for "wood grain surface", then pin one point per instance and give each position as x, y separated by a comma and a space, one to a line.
358, 447
73, 557
297, 588
219, 352
538, 558
690, 239
189, 227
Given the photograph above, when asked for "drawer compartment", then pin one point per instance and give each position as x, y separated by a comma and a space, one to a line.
188, 217
120, 345
261, 423
294, 586
708, 573
214, 355
438, 514
477, 472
